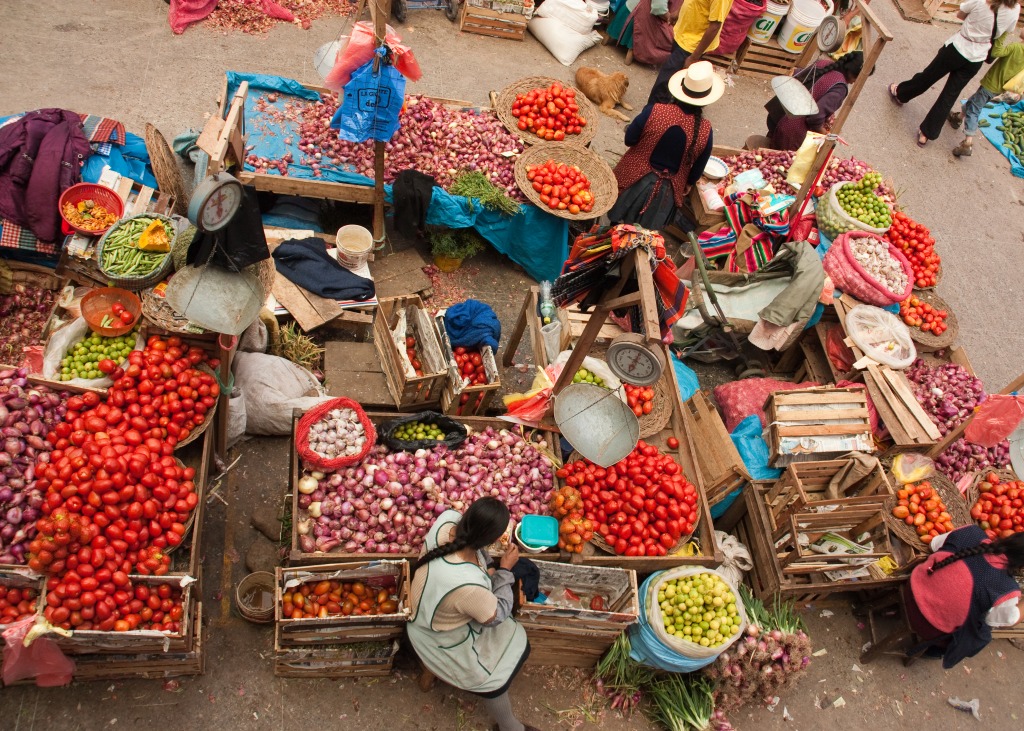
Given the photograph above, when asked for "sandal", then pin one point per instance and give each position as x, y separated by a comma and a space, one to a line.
892, 95
921, 139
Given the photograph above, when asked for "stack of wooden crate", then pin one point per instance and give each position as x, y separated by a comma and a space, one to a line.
496, 18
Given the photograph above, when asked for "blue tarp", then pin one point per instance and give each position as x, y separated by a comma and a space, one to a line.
994, 116
537, 241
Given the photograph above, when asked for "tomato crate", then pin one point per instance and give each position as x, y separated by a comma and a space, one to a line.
392, 576
717, 457
566, 631
458, 398
186, 558
410, 393
811, 424
805, 484
299, 556
371, 658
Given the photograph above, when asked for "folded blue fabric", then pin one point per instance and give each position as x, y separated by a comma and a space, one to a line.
471, 324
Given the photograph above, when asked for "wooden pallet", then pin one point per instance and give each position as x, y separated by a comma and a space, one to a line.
494, 23
910, 428
719, 460
410, 393
798, 420
758, 60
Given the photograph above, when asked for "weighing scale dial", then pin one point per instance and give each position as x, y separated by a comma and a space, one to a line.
215, 202
831, 33
634, 361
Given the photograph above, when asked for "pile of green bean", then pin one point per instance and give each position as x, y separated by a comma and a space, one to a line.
121, 254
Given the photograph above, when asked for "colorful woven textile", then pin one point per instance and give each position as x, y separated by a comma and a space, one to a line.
720, 246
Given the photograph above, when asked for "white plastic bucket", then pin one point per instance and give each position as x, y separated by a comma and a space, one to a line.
764, 27
354, 245
803, 19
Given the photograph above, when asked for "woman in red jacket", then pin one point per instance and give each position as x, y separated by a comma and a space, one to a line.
963, 590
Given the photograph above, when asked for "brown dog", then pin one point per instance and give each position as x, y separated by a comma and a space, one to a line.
605, 90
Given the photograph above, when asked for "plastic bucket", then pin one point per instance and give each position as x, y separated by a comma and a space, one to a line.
764, 27
255, 597
803, 19
354, 246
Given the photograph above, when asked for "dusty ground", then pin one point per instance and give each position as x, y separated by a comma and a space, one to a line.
120, 59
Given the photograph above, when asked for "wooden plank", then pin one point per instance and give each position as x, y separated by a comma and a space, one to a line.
887, 412
309, 310
354, 370
207, 141
901, 385
307, 188
819, 396
400, 273
811, 430
823, 415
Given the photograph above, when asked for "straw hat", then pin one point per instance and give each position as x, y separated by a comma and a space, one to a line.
698, 85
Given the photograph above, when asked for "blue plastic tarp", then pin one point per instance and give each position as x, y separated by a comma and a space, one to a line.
994, 116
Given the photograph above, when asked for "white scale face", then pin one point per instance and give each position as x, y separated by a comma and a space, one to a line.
634, 363
219, 208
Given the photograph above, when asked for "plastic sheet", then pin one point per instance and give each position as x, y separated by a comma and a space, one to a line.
994, 135
995, 420
881, 336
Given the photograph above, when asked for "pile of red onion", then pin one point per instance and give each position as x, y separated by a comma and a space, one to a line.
387, 503
24, 314
850, 170
27, 414
774, 166
948, 393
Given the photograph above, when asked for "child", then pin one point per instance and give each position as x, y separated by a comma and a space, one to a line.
1009, 61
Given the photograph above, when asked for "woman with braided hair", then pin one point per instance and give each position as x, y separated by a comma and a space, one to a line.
963, 590
461, 624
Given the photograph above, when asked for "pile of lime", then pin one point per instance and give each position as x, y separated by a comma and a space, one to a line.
414, 431
585, 376
700, 608
84, 357
860, 202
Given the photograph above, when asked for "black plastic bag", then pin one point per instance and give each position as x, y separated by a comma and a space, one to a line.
454, 432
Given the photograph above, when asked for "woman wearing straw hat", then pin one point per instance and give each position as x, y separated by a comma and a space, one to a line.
669, 145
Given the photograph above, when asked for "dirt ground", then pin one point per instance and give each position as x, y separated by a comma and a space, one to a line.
121, 60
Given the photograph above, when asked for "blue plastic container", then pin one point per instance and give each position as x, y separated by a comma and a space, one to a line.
538, 531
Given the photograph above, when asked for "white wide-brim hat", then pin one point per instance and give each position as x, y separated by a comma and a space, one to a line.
698, 85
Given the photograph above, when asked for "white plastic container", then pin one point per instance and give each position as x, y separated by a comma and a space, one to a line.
764, 27
354, 246
803, 19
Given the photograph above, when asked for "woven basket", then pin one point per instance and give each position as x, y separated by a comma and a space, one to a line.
136, 283
503, 108
955, 506
938, 280
165, 169
973, 493
208, 417
927, 342
602, 180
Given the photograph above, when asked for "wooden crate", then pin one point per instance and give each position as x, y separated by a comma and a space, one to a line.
759, 60
848, 519
416, 392
390, 575
717, 457
953, 354
460, 400
817, 423
21, 577
494, 23
812, 350
578, 636
910, 428
805, 483
342, 660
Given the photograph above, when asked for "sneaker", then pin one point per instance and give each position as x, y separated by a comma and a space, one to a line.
955, 119
963, 150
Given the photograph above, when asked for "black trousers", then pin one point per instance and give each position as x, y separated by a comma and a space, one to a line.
947, 61
675, 62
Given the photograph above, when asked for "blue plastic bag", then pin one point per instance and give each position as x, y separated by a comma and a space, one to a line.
686, 379
747, 436
372, 102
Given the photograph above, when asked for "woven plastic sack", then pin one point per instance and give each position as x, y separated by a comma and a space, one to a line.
454, 432
849, 276
881, 335
577, 15
311, 458
739, 399
834, 221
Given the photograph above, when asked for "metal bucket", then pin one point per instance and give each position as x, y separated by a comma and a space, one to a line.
597, 423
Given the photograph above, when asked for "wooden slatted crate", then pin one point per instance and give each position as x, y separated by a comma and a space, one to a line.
463, 400
717, 457
909, 426
494, 23
578, 636
806, 483
817, 423
410, 393
342, 660
859, 520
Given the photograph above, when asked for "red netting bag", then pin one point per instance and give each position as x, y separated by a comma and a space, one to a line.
311, 417
850, 277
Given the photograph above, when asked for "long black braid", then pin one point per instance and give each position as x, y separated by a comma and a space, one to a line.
848, 65
1012, 547
481, 526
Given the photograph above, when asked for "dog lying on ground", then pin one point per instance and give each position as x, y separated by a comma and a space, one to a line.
605, 90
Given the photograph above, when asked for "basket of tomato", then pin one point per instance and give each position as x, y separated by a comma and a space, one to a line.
996, 498
920, 511
931, 322
652, 406
917, 244
540, 109
567, 181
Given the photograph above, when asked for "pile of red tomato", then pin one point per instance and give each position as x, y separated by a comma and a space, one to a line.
414, 358
16, 603
916, 242
115, 496
999, 508
918, 313
471, 366
641, 506
550, 113
562, 187
640, 399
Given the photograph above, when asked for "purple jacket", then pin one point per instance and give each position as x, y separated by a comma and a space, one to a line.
41, 156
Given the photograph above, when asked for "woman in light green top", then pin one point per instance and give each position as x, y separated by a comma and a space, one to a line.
461, 624
645, 28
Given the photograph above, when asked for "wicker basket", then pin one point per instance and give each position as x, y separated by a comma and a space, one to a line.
938, 280
973, 493
165, 169
136, 283
208, 417
602, 180
925, 341
955, 506
503, 108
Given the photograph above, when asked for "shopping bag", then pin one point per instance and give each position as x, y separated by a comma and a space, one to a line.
372, 102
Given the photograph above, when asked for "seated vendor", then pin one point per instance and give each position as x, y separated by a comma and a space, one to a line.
963, 590
461, 625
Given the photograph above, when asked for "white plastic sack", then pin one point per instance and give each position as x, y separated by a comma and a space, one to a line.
596, 366
255, 338
562, 42
881, 335
273, 387
57, 347
737, 558
576, 15
236, 416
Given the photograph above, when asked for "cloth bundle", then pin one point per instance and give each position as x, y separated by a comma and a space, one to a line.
305, 262
748, 239
471, 324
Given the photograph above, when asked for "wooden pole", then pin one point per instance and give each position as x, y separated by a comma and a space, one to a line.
380, 11
943, 444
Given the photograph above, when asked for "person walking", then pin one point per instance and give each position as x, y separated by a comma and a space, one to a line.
959, 59
1009, 62
644, 27
696, 33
